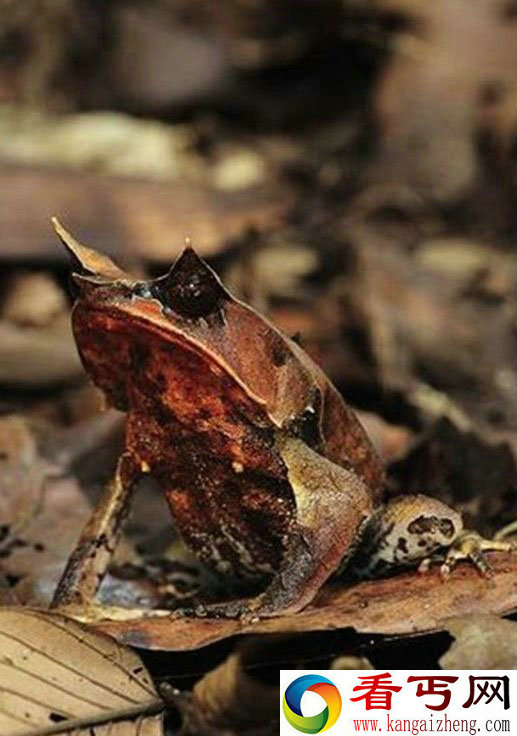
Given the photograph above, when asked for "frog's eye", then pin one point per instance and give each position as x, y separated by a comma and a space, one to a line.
195, 297
191, 288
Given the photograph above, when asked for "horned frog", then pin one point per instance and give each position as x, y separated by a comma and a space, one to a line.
268, 474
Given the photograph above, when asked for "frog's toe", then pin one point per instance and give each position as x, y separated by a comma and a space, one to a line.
227, 610
510, 530
472, 546
424, 565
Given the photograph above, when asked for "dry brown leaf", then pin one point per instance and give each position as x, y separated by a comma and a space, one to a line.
41, 512
36, 343
33, 299
56, 676
391, 441
408, 603
43, 508
228, 700
431, 335
481, 642
32, 357
23, 474
151, 219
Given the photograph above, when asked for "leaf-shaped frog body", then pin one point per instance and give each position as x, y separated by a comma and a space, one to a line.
264, 467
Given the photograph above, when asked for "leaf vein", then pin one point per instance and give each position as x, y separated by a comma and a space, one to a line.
56, 624
44, 654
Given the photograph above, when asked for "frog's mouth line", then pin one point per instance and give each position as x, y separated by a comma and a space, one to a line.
170, 333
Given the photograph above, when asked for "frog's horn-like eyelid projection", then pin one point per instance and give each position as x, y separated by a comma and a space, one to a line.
188, 260
87, 260
188, 264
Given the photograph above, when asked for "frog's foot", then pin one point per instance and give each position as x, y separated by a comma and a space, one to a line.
239, 609
468, 545
247, 610
94, 612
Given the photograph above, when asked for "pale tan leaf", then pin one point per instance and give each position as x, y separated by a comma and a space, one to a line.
481, 642
141, 726
56, 676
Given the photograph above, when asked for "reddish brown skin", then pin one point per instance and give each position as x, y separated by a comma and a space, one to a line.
190, 445
205, 395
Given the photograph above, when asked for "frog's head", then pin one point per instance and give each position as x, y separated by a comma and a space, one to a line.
189, 309
189, 291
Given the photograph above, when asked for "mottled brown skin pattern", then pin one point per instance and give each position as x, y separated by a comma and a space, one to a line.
235, 521
238, 426
267, 473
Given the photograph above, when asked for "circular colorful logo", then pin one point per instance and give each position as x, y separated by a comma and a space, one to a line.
291, 704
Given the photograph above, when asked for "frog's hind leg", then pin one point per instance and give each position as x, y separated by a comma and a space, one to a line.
416, 531
332, 504
472, 546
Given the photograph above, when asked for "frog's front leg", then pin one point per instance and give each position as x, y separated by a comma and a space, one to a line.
415, 531
89, 561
